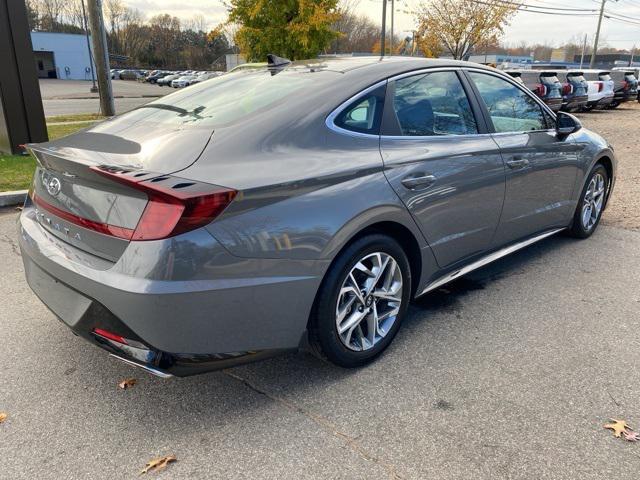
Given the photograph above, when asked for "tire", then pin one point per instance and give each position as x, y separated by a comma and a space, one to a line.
359, 345
583, 227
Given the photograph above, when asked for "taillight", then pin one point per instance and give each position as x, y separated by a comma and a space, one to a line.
540, 90
600, 86
625, 85
170, 210
567, 89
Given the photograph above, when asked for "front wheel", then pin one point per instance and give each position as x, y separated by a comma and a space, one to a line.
592, 200
362, 301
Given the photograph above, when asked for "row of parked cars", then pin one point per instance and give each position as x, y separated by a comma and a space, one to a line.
581, 90
175, 79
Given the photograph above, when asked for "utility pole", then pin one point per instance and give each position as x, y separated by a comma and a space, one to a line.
391, 39
595, 43
101, 55
384, 27
584, 48
93, 88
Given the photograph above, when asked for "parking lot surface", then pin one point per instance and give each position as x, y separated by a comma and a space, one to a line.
70, 97
507, 373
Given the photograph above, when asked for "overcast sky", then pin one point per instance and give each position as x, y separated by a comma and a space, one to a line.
529, 27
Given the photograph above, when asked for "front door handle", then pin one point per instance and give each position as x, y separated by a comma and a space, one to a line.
517, 162
418, 181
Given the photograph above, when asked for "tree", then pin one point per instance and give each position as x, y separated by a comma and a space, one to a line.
295, 29
457, 26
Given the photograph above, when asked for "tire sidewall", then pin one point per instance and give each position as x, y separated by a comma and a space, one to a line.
578, 228
325, 328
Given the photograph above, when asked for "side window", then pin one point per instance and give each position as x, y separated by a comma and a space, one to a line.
433, 104
511, 109
364, 114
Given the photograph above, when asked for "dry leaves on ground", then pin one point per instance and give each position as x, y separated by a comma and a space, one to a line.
127, 383
3, 417
618, 426
158, 464
622, 429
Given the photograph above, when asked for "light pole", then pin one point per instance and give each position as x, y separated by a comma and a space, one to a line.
391, 39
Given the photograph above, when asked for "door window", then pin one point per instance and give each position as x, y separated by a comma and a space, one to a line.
511, 109
433, 104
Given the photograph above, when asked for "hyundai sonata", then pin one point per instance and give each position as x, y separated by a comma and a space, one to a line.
298, 204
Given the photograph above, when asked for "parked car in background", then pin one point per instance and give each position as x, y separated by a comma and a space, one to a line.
166, 80
154, 77
543, 83
129, 75
183, 81
625, 86
600, 89
574, 90
254, 214
205, 76
114, 73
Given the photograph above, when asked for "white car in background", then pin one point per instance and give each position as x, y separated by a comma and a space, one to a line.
601, 88
183, 81
205, 76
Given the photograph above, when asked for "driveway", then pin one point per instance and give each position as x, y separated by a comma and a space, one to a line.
507, 373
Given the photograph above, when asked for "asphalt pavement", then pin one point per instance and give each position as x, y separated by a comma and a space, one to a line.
509, 373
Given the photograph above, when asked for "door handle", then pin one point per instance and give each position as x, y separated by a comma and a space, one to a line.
517, 162
418, 181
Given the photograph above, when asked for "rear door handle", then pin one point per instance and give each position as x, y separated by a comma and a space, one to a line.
517, 162
418, 181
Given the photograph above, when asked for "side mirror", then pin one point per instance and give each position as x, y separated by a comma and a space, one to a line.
566, 124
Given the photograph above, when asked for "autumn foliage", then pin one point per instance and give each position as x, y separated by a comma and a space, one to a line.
295, 29
455, 27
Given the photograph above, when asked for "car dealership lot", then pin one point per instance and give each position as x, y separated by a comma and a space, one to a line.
507, 373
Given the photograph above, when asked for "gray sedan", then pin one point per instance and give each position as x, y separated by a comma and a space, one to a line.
298, 205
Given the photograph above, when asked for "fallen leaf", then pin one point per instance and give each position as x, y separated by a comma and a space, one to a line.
618, 427
631, 436
3, 417
129, 382
158, 464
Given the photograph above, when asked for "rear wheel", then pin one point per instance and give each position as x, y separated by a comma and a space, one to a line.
592, 200
362, 301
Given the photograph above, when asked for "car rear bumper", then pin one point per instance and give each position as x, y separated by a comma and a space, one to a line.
554, 104
575, 103
181, 327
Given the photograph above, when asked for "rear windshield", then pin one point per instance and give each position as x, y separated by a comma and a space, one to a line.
575, 77
630, 76
222, 100
605, 77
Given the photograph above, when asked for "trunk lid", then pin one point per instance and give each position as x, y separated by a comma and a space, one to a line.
79, 204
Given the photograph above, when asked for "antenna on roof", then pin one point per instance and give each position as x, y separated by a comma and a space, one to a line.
275, 61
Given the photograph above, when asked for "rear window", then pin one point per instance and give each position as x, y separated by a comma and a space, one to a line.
605, 77
575, 77
630, 76
364, 114
221, 101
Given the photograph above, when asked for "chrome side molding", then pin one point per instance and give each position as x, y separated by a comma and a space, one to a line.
492, 257
154, 371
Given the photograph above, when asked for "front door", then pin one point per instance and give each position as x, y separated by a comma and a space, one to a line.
542, 167
441, 162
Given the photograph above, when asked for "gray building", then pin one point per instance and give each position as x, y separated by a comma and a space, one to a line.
61, 55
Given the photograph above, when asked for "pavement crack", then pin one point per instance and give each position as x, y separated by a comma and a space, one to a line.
12, 243
324, 424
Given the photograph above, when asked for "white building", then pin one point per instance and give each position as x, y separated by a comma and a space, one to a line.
61, 55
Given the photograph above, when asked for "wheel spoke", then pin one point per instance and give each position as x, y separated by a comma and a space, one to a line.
370, 294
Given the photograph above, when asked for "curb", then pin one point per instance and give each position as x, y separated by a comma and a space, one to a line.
11, 198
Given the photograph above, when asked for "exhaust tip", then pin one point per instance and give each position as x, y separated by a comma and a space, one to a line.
151, 370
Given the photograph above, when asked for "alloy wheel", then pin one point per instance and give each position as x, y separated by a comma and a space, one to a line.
369, 301
593, 201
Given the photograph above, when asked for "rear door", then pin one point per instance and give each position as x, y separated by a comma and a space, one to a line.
541, 167
441, 161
